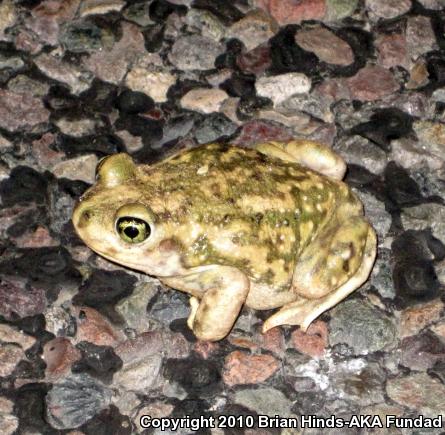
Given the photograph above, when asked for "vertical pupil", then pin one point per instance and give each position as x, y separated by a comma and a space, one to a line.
131, 231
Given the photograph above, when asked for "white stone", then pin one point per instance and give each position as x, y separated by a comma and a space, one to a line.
96, 7
280, 87
80, 168
7, 16
204, 100
77, 127
150, 77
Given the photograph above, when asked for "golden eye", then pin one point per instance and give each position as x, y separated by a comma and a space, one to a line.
132, 229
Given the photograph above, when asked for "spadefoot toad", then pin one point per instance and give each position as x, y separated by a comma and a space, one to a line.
267, 227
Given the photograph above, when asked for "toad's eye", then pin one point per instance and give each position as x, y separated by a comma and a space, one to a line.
132, 229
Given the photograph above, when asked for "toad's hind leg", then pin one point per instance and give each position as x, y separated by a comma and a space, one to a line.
311, 154
304, 311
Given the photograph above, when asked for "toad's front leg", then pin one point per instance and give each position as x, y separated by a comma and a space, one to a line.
218, 292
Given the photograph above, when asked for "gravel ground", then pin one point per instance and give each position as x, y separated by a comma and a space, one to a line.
88, 347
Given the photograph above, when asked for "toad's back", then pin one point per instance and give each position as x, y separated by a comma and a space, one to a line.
236, 206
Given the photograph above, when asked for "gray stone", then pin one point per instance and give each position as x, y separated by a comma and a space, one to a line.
314, 104
138, 13
214, 126
388, 8
339, 9
381, 276
423, 216
10, 355
433, 4
420, 36
84, 36
133, 309
23, 84
431, 137
265, 401
362, 327
75, 77
195, 53
205, 23
360, 151
375, 211
75, 400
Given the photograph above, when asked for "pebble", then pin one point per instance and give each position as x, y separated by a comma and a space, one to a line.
432, 4
420, 36
22, 84
360, 151
280, 87
205, 23
422, 352
80, 168
273, 341
20, 111
8, 16
213, 127
18, 301
75, 400
431, 137
339, 9
291, 12
388, 9
78, 79
419, 392
314, 341
242, 368
99, 7
372, 83
414, 319
194, 53
10, 355
155, 81
258, 131
204, 100
392, 50
423, 216
325, 45
264, 401
9, 334
255, 61
133, 102
368, 330
111, 64
93, 327
256, 28
59, 355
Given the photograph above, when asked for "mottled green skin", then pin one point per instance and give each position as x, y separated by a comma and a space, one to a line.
257, 198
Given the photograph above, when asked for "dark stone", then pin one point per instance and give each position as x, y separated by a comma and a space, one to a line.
198, 377
308, 403
81, 36
224, 10
159, 10
436, 69
49, 268
102, 145
153, 37
418, 245
99, 98
438, 370
132, 102
28, 222
385, 125
239, 85
415, 281
250, 104
214, 127
75, 400
24, 185
242, 411
98, 361
287, 56
109, 421
401, 189
104, 287
60, 98
180, 325
31, 368
149, 129
229, 58
255, 61
29, 408
192, 408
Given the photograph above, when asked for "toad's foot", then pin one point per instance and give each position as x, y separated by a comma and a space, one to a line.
304, 311
311, 154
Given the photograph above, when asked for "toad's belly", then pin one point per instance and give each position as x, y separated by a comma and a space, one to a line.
264, 297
